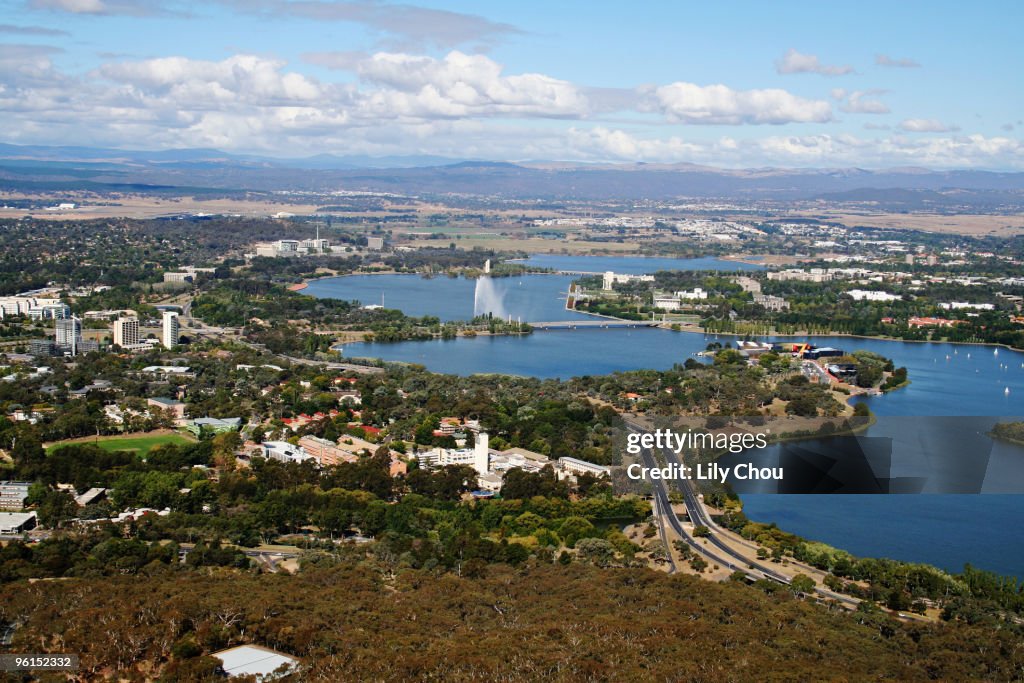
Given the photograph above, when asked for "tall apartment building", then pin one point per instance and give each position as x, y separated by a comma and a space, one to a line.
126, 332
170, 329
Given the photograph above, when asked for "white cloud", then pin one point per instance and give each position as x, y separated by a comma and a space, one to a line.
794, 62
459, 105
195, 83
926, 126
719, 104
863, 102
900, 63
406, 25
463, 85
32, 30
73, 6
974, 151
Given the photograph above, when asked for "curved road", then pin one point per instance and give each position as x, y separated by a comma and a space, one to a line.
698, 515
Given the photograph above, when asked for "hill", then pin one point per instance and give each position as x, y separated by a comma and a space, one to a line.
358, 621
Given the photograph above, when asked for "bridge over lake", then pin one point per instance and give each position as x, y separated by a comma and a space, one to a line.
572, 324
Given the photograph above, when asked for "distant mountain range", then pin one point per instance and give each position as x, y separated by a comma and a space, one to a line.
67, 168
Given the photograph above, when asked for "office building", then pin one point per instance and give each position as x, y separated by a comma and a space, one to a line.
13, 494
126, 332
170, 329
69, 335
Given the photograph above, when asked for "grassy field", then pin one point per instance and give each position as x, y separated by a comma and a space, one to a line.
140, 443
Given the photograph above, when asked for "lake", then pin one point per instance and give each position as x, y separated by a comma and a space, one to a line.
531, 297
946, 380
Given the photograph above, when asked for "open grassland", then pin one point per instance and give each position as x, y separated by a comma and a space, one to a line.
534, 245
965, 224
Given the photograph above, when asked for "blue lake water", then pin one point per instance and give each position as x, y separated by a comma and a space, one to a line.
533, 297
946, 380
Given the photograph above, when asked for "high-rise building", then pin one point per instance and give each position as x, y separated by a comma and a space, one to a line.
481, 454
69, 334
126, 332
170, 329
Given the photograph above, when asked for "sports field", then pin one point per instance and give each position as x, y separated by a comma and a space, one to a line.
140, 443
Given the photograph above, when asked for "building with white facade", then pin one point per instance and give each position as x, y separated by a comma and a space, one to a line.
666, 302
282, 451
126, 332
959, 305
34, 307
574, 466
771, 302
16, 522
872, 295
170, 329
611, 278
696, 294
13, 494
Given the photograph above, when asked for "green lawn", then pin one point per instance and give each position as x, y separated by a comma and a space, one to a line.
140, 444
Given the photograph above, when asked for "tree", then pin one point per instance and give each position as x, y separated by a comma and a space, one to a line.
596, 550
56, 508
225, 445
575, 528
801, 584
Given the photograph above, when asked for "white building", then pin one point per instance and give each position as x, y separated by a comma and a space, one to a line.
16, 522
612, 278
574, 466
126, 332
872, 295
481, 454
811, 275
282, 451
33, 307
13, 494
771, 302
375, 243
666, 303
252, 660
958, 305
695, 295
170, 329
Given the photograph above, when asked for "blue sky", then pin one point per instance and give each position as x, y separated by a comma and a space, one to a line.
727, 84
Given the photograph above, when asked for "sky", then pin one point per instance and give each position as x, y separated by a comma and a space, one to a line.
731, 84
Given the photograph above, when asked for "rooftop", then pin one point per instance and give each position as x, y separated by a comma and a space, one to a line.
254, 660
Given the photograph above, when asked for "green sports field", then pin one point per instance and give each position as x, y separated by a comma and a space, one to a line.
141, 444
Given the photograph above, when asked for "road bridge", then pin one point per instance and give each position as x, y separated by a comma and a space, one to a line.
600, 323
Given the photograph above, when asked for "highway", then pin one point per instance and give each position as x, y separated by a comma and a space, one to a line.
724, 554
664, 507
